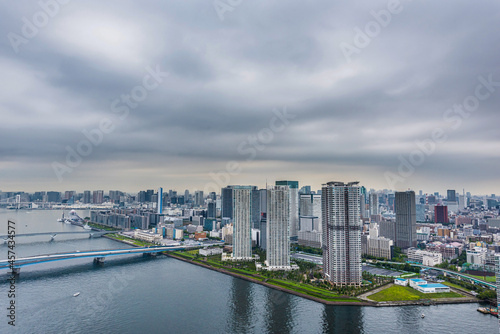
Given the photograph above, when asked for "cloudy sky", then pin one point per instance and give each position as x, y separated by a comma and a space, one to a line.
198, 94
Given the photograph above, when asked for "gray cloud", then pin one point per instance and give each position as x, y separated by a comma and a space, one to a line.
353, 120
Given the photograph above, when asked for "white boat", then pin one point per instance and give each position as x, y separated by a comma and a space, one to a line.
87, 227
76, 294
61, 219
423, 315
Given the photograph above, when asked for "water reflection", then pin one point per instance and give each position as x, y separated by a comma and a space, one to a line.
342, 319
409, 319
241, 307
279, 309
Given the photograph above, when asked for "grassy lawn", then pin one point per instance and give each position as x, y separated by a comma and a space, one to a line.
456, 286
103, 227
491, 279
247, 270
139, 243
403, 293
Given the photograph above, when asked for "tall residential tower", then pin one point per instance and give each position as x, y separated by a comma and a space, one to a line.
341, 233
278, 228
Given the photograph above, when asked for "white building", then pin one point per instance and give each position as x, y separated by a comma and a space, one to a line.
310, 206
375, 245
477, 256
401, 281
278, 227
242, 223
425, 257
210, 251
294, 205
310, 238
227, 230
147, 236
432, 288
341, 233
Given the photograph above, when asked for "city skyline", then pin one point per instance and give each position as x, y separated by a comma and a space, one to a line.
285, 101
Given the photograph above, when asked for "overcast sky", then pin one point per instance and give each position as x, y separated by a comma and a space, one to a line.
357, 94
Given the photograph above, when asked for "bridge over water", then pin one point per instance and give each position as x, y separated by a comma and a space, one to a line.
98, 255
98, 233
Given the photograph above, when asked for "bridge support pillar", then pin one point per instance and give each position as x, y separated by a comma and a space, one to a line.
98, 260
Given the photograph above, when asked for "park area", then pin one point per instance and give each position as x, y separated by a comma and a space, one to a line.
405, 293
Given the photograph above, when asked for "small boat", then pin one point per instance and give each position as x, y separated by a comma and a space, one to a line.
61, 220
76, 294
87, 227
423, 315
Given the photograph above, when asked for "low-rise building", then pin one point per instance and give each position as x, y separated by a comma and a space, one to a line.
425, 257
210, 251
401, 281
432, 288
147, 236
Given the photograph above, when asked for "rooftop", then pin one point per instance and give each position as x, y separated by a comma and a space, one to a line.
434, 285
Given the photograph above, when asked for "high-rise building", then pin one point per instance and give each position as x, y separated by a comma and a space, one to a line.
406, 219
160, 200
86, 197
97, 196
341, 233
242, 222
54, 196
373, 203
227, 202
212, 209
278, 227
198, 198
420, 212
441, 214
310, 205
452, 196
362, 203
294, 205
305, 190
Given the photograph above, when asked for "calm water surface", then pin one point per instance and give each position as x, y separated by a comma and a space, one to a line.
133, 294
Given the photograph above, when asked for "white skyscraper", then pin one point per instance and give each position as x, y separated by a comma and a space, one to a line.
242, 222
278, 227
294, 205
341, 233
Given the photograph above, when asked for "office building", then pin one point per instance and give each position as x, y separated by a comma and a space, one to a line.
452, 196
294, 205
97, 196
406, 219
278, 228
198, 198
375, 245
227, 202
441, 214
86, 197
160, 201
212, 210
341, 233
374, 204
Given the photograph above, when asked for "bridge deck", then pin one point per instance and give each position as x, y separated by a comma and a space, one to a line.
26, 261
